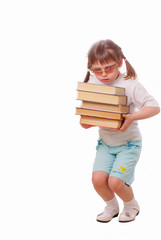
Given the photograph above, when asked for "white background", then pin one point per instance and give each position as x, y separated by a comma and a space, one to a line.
46, 158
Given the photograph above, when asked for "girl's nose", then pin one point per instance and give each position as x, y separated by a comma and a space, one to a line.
104, 73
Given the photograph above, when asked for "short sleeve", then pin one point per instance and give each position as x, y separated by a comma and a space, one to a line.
141, 98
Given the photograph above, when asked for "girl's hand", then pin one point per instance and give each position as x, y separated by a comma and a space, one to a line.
85, 126
127, 122
144, 113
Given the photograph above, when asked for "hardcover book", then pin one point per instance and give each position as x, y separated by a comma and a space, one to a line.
102, 98
102, 106
101, 122
100, 88
124, 109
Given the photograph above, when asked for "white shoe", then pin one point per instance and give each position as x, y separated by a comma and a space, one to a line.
107, 214
129, 214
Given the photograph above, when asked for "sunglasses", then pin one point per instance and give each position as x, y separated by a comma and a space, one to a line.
99, 71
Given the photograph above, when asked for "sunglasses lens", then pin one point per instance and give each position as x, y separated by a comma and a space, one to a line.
106, 71
98, 73
109, 70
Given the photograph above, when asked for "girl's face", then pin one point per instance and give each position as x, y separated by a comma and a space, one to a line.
106, 73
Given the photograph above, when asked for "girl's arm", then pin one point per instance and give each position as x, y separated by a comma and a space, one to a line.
144, 113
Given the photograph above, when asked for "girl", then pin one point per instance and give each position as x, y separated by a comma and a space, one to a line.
118, 150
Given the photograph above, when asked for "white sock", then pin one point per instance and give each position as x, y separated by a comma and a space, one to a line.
132, 203
113, 203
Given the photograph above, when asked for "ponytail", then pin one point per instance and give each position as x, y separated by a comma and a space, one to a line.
87, 76
130, 72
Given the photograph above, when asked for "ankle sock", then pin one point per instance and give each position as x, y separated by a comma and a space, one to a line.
132, 203
113, 203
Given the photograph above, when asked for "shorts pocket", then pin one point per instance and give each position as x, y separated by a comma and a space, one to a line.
135, 144
99, 143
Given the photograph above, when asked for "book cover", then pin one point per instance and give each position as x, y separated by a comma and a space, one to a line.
124, 109
97, 113
100, 122
100, 88
102, 98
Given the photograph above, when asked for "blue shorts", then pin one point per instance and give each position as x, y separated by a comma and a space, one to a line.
118, 161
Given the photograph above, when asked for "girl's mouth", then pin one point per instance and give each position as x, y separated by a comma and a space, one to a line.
106, 80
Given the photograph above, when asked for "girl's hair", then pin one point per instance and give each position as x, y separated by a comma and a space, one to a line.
106, 51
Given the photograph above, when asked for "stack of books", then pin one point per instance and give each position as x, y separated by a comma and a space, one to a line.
102, 106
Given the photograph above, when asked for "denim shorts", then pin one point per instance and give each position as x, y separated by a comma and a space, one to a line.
118, 161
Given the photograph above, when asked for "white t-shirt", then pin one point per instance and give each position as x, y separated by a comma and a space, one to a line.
137, 98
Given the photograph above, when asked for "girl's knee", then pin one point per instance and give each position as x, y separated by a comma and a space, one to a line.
115, 184
99, 179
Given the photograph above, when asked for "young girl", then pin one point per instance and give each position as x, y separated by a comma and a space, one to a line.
118, 150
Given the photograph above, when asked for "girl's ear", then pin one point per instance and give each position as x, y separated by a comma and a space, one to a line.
120, 62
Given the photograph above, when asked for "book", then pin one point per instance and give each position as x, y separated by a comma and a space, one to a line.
101, 122
124, 109
102, 106
102, 98
97, 113
100, 88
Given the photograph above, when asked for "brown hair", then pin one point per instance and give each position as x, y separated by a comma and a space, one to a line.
106, 51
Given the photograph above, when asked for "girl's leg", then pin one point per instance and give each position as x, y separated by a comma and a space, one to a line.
121, 189
100, 183
131, 207
106, 186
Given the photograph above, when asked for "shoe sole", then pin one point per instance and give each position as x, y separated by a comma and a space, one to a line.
108, 220
130, 220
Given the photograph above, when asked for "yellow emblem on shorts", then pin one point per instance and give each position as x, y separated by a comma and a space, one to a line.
122, 169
